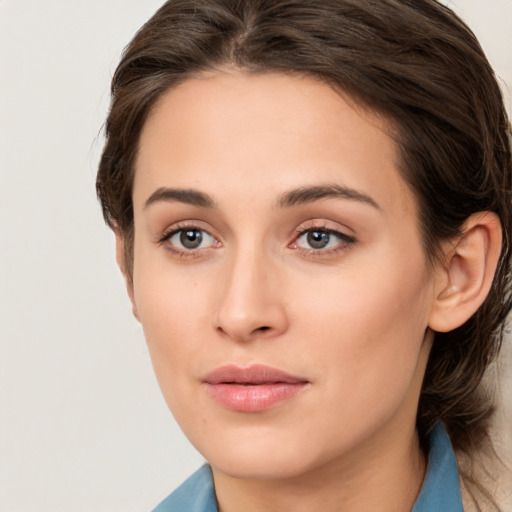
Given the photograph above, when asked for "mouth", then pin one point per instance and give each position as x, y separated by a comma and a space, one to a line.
253, 389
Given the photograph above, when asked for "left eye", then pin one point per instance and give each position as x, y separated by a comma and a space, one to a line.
321, 239
191, 239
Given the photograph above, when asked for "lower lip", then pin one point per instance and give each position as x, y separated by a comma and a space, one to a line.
253, 398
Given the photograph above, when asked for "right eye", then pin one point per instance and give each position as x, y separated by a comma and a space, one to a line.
188, 239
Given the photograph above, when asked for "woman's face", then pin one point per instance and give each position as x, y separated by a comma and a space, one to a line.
279, 274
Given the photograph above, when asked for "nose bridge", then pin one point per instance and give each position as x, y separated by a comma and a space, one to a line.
250, 303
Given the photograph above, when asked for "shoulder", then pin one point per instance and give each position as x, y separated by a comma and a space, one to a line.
196, 494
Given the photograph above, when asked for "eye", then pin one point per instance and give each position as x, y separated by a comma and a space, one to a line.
188, 239
318, 239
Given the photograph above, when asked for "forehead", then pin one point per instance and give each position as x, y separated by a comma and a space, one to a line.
229, 132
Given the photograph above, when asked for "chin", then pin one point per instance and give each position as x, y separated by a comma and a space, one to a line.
260, 455
260, 467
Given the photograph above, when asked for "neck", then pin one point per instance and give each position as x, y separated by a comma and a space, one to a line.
371, 478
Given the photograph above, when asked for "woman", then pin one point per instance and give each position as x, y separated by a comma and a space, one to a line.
311, 202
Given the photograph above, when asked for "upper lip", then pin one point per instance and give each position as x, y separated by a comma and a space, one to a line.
254, 374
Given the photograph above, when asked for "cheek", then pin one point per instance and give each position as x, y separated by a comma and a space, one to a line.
173, 310
171, 313
369, 327
167, 296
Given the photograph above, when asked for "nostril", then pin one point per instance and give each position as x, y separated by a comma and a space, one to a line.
263, 328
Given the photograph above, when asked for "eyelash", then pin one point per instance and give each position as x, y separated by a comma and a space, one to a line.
345, 241
184, 253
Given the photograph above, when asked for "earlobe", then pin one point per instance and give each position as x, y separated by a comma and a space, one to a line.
465, 279
121, 262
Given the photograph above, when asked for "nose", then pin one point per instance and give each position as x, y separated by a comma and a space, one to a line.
251, 303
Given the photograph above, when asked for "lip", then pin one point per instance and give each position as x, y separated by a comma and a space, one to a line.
255, 388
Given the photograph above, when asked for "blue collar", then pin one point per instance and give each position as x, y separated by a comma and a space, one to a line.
194, 495
441, 487
440, 490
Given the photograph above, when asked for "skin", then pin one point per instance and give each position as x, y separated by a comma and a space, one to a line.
352, 318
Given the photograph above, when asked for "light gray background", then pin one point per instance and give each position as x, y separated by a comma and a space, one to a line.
82, 423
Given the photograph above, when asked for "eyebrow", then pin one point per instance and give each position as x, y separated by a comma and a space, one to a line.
305, 195
187, 196
302, 195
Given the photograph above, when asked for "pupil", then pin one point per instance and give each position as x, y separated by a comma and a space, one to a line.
191, 239
318, 239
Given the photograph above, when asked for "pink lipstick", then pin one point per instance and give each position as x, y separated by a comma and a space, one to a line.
252, 389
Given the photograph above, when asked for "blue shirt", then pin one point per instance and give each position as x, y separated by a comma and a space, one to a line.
440, 490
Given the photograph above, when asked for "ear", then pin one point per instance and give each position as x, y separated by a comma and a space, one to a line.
465, 278
121, 262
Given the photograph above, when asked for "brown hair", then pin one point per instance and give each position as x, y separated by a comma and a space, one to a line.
415, 62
